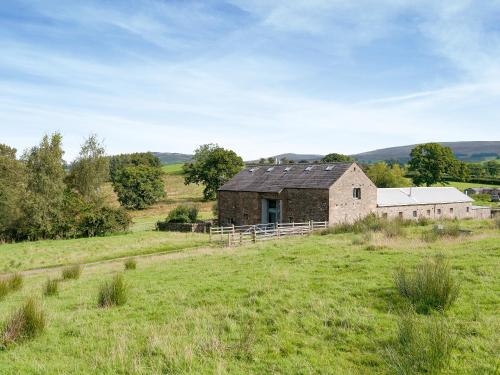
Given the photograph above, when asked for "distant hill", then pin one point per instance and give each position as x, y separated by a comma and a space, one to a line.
172, 157
466, 151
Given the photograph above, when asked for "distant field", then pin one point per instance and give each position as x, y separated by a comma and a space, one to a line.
28, 255
465, 185
312, 305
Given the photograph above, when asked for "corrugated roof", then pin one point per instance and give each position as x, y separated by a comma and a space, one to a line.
419, 195
300, 176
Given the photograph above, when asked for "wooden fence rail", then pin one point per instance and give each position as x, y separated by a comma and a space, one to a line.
239, 235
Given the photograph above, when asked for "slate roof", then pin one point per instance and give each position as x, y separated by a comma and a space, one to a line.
273, 179
419, 195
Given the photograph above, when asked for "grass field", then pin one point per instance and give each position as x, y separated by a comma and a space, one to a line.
50, 253
318, 304
465, 185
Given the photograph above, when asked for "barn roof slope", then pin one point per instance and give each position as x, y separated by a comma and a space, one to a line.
273, 179
420, 195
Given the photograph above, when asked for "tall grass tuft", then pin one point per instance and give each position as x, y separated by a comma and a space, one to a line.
27, 322
9, 284
429, 286
130, 264
15, 281
51, 287
72, 272
371, 223
112, 293
422, 345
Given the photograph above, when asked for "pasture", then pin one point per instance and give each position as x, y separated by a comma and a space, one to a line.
318, 304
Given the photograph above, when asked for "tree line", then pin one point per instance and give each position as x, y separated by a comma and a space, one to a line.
41, 198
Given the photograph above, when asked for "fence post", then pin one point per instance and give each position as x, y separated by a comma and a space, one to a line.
229, 239
241, 238
254, 236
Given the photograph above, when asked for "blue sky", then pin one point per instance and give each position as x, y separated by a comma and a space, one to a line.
261, 77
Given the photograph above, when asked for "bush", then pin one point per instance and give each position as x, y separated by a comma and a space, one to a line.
394, 228
442, 230
183, 214
112, 293
71, 272
99, 221
26, 323
130, 264
51, 287
429, 286
422, 345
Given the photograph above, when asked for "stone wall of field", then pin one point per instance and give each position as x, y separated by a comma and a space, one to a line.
483, 212
184, 227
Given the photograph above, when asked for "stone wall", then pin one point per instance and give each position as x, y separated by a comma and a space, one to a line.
344, 208
203, 227
238, 208
482, 212
431, 211
301, 205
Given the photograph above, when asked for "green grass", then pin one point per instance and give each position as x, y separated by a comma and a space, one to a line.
465, 185
29, 255
173, 169
317, 304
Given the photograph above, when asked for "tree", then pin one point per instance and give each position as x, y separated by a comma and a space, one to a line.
271, 160
212, 166
90, 170
384, 176
12, 190
336, 158
137, 180
475, 169
430, 163
262, 161
492, 167
42, 206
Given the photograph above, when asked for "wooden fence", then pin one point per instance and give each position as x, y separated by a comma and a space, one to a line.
239, 235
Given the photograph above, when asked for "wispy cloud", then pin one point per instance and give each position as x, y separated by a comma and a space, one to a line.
257, 76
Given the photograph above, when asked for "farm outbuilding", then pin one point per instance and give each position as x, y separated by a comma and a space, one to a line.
337, 193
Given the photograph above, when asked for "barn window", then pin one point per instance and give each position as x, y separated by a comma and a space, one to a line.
356, 193
245, 217
451, 210
414, 213
428, 212
384, 215
400, 214
439, 211
468, 209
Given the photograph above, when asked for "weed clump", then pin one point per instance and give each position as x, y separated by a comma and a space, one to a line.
112, 293
26, 323
429, 286
51, 287
130, 264
422, 345
443, 230
72, 272
371, 223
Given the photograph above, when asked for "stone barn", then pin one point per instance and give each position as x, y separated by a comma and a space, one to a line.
337, 193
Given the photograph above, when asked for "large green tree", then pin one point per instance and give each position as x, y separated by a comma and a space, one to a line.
12, 190
212, 166
90, 170
137, 180
431, 163
336, 158
492, 167
385, 176
42, 205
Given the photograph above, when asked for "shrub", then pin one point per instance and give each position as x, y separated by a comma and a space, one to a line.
26, 323
51, 287
394, 228
442, 230
99, 221
362, 239
130, 264
429, 286
112, 293
72, 272
422, 345
183, 214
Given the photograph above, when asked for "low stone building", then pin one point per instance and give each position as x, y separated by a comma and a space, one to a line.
337, 193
